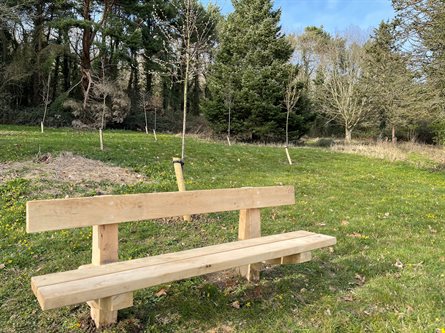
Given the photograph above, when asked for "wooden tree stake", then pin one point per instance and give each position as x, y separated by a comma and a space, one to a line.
154, 133
288, 156
228, 140
250, 227
101, 138
41, 126
178, 164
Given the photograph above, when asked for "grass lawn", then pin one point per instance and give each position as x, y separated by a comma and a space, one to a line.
386, 274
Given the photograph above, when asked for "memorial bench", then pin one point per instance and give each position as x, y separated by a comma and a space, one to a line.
107, 285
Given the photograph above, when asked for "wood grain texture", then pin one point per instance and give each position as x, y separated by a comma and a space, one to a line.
44, 215
92, 270
113, 282
250, 227
105, 250
105, 245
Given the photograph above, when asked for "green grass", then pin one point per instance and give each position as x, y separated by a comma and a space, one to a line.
381, 213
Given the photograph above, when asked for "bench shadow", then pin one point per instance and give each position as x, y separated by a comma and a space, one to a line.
210, 301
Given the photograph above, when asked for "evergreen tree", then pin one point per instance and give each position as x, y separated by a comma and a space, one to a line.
390, 81
421, 24
251, 67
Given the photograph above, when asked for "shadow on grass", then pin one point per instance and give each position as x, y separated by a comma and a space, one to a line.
229, 300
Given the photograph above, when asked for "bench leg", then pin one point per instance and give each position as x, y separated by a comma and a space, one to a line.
101, 312
104, 310
250, 227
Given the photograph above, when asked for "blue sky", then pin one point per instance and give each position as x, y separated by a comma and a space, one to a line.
336, 16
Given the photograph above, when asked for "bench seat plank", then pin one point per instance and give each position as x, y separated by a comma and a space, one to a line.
78, 286
91, 270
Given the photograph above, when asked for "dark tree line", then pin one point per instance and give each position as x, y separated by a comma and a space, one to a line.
93, 63
87, 50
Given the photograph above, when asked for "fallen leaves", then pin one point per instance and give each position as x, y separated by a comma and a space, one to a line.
359, 279
432, 230
161, 293
235, 305
357, 235
399, 264
347, 298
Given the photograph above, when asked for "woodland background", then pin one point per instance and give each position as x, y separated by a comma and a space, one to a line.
131, 64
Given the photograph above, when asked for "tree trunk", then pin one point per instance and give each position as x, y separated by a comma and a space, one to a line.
38, 45
56, 78
85, 61
66, 63
393, 135
348, 134
196, 90
148, 82
184, 116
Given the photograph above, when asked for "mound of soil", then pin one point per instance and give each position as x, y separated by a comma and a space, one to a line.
69, 170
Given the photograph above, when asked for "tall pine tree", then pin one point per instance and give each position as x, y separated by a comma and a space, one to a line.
250, 70
389, 81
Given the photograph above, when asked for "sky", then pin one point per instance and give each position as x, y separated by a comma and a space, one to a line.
336, 16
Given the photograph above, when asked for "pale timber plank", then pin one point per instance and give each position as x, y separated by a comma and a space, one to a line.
250, 227
105, 249
73, 292
118, 302
44, 215
91, 270
293, 259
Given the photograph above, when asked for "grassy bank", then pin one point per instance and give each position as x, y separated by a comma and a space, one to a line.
385, 275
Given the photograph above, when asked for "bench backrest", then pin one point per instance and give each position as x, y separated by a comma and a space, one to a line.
56, 214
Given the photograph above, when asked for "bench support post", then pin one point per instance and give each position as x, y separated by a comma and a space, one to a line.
105, 251
250, 227
298, 258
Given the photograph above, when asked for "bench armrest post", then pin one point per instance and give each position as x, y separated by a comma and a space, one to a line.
250, 227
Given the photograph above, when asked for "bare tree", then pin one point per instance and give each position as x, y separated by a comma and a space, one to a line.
291, 97
90, 30
343, 99
187, 42
151, 102
228, 101
46, 100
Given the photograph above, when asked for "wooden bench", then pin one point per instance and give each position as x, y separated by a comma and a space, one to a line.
107, 285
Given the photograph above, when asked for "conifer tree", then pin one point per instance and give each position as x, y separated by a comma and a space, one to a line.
390, 80
252, 61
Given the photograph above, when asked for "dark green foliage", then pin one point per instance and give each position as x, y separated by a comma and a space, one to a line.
421, 24
250, 73
392, 88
